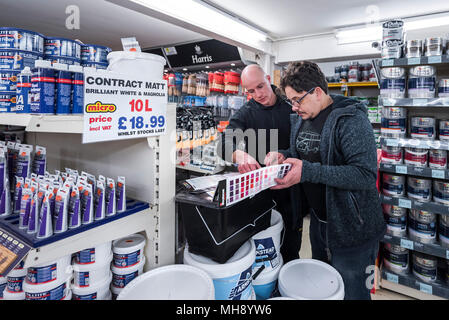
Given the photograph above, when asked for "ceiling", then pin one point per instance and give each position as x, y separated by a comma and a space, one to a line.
289, 18
101, 22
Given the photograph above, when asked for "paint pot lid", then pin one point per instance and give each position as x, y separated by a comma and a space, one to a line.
13, 295
128, 270
172, 282
128, 244
309, 279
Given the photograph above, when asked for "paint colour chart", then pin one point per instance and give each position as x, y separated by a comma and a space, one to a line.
245, 185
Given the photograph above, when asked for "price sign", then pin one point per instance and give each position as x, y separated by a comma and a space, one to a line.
118, 106
12, 251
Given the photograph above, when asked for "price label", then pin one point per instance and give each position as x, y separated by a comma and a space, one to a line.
392, 277
407, 244
120, 106
425, 288
434, 59
401, 169
438, 174
387, 62
404, 203
412, 61
392, 142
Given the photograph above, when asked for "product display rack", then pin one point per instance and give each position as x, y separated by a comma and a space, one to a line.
408, 284
142, 161
204, 169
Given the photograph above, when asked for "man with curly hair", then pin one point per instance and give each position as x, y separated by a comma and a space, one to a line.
334, 161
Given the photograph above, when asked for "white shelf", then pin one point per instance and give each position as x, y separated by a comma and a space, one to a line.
44, 123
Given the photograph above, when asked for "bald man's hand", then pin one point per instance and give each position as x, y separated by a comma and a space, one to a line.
245, 162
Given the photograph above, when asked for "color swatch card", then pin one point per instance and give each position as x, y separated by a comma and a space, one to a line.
245, 185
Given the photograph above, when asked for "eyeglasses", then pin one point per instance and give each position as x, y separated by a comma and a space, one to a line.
299, 100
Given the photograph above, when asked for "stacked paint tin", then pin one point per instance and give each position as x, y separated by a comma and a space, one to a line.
128, 261
92, 273
18, 49
392, 39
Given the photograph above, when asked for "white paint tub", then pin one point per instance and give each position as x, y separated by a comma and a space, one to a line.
13, 295
137, 64
122, 276
128, 251
268, 244
265, 283
91, 274
309, 279
91, 255
53, 271
99, 291
233, 279
173, 282
55, 290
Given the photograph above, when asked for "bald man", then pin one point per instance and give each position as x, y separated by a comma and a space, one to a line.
266, 120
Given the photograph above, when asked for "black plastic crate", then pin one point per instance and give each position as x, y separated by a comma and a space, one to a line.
218, 232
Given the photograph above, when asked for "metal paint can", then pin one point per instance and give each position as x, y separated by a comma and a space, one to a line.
416, 157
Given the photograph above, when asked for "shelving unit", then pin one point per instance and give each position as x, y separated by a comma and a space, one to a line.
427, 107
142, 161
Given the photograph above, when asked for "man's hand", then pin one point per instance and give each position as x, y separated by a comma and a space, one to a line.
273, 158
245, 161
292, 177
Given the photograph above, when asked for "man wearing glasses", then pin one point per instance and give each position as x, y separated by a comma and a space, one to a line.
264, 112
334, 161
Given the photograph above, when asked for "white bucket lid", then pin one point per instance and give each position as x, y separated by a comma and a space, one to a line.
13, 295
173, 282
93, 266
305, 279
276, 226
38, 288
128, 270
242, 259
269, 276
128, 244
132, 55
98, 287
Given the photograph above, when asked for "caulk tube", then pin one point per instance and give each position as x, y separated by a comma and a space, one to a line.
60, 215
40, 160
111, 205
45, 228
18, 194
24, 163
5, 200
99, 201
25, 208
3, 177
74, 209
121, 194
55, 187
33, 223
87, 204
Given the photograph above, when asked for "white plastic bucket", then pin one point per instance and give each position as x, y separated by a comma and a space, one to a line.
13, 295
173, 282
268, 244
2, 286
128, 251
115, 292
233, 279
55, 290
265, 283
52, 271
122, 276
15, 279
99, 291
309, 279
91, 274
137, 63
92, 255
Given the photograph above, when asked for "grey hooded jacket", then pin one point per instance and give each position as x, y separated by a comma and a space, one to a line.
349, 171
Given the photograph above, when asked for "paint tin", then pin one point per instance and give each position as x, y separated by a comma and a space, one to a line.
392, 49
42, 93
93, 53
8, 80
414, 49
434, 46
63, 92
437, 159
396, 220
23, 90
393, 155
422, 226
63, 60
419, 189
62, 47
393, 122
48, 291
443, 88
425, 267
77, 89
393, 30
7, 101
128, 251
392, 82
416, 157
52, 271
122, 276
19, 39
393, 185
422, 128
441, 192
443, 230
17, 60
421, 87
444, 130
396, 258
422, 71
